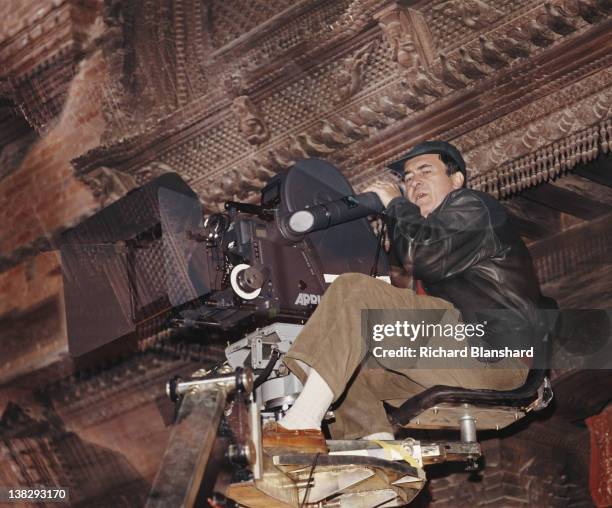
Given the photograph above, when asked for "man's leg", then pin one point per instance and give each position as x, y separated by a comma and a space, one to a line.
332, 344
360, 412
464, 372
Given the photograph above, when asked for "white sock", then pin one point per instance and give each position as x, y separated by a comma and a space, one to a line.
310, 406
379, 436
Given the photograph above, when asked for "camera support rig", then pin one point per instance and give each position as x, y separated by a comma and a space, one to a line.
354, 473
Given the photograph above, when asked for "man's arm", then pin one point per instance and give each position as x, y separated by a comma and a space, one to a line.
455, 236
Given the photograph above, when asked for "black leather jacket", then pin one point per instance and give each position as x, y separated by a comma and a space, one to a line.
466, 252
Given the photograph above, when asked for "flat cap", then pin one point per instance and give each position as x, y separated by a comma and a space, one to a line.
439, 147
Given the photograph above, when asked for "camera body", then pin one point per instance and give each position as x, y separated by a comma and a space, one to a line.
151, 260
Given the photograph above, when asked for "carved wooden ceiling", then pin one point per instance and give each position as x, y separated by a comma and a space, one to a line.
228, 93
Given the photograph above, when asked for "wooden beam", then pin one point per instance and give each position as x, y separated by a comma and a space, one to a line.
189, 448
527, 228
599, 171
566, 201
534, 221
578, 250
586, 187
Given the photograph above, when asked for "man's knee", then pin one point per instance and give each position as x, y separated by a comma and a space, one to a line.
348, 281
501, 379
514, 379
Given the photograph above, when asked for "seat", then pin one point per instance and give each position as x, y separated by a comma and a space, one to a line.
449, 407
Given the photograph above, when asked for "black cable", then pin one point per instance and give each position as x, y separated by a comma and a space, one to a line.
267, 369
314, 464
379, 245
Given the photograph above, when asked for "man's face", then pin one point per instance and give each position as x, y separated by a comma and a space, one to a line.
427, 183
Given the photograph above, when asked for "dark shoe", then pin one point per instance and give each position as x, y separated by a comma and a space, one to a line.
275, 438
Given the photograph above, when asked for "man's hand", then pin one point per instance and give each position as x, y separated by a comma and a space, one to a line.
386, 191
377, 225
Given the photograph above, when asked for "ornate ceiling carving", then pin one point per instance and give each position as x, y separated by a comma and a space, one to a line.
371, 79
545, 138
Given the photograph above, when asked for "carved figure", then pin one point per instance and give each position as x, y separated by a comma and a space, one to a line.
392, 107
425, 84
512, 47
491, 55
538, 35
468, 66
474, 14
233, 83
311, 146
331, 135
588, 12
410, 99
351, 76
407, 55
450, 75
557, 19
403, 48
350, 128
252, 124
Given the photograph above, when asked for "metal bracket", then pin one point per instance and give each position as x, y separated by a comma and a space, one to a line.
545, 396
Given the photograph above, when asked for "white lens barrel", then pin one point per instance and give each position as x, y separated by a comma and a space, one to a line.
301, 222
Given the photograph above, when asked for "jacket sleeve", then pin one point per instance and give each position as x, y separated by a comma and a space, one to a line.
454, 237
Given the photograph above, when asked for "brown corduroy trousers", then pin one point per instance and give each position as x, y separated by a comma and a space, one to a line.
332, 343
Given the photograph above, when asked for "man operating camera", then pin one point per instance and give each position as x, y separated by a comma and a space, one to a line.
471, 267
